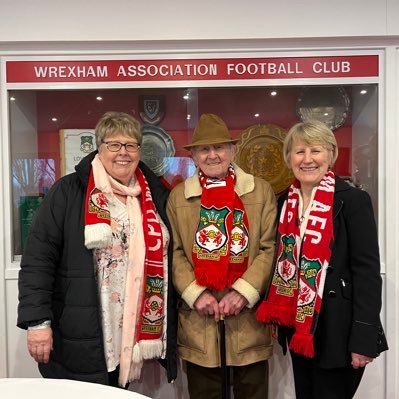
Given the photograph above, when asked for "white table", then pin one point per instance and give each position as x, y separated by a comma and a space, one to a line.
41, 388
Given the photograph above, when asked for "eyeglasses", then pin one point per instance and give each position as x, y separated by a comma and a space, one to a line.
114, 146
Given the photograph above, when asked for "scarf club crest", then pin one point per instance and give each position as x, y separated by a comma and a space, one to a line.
211, 236
284, 278
310, 279
98, 205
239, 236
153, 312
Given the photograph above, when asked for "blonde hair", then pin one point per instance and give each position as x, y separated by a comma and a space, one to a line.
311, 132
113, 123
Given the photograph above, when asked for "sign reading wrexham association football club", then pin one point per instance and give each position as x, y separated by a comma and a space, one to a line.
306, 67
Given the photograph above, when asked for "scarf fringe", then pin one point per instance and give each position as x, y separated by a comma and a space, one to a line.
302, 344
205, 279
269, 313
98, 235
147, 350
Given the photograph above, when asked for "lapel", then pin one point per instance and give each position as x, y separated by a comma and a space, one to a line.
340, 186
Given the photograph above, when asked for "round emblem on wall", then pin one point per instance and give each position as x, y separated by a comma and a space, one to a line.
156, 149
260, 152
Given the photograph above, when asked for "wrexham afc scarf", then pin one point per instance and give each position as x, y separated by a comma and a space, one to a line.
296, 290
220, 251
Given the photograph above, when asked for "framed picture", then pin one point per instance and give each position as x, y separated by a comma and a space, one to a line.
75, 144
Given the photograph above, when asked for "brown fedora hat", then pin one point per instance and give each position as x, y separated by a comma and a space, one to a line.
210, 130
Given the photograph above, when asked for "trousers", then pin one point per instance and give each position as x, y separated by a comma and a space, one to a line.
313, 382
248, 382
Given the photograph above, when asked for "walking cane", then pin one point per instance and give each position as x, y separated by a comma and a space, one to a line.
224, 368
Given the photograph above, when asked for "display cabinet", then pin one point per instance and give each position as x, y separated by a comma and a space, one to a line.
53, 106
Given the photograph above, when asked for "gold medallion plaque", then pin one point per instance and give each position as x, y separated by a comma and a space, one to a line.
259, 151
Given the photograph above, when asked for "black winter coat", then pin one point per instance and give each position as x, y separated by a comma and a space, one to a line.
57, 281
350, 313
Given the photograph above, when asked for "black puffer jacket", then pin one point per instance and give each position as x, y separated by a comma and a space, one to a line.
57, 281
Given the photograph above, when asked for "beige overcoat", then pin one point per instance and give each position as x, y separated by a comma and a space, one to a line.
247, 340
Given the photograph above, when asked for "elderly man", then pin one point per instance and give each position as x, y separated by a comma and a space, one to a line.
223, 223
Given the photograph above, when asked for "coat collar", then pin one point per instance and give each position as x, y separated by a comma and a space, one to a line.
245, 183
340, 185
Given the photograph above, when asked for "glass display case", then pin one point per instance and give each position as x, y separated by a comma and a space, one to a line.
51, 130
52, 114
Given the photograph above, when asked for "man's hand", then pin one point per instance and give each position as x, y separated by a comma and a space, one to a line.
207, 305
40, 343
232, 303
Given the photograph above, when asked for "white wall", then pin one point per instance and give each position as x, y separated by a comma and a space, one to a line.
104, 20
20, 364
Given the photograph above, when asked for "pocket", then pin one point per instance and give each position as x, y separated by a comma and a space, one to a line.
251, 334
191, 330
346, 289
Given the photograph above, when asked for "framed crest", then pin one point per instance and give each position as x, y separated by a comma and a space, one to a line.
75, 144
152, 109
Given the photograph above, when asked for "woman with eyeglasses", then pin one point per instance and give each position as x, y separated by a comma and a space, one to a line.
93, 285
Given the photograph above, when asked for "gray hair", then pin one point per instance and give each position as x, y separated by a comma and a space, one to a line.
114, 123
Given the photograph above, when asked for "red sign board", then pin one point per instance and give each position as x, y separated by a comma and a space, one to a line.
192, 69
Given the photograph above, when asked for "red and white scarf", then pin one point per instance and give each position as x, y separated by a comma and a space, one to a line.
296, 290
220, 250
144, 314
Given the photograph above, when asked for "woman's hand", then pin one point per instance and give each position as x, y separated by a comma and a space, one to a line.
360, 360
207, 305
40, 343
232, 303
